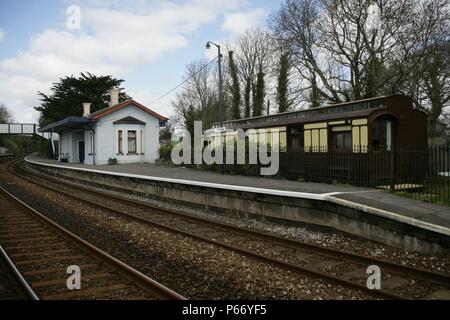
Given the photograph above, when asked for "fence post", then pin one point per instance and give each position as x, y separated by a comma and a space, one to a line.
392, 169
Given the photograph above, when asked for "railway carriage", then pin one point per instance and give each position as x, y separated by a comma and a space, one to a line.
355, 141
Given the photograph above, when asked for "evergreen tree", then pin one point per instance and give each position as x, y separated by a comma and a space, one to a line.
259, 97
283, 84
70, 92
235, 88
247, 110
190, 118
314, 96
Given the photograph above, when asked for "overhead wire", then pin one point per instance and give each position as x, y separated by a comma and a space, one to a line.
182, 83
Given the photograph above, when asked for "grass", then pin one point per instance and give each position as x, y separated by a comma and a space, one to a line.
437, 192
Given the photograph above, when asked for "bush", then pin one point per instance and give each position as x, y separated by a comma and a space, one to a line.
165, 152
22, 144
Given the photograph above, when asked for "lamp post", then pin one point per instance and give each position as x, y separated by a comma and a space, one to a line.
219, 62
221, 115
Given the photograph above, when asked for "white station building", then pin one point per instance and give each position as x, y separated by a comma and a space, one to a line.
126, 132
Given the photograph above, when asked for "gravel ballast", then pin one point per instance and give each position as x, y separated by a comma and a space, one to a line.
439, 262
192, 268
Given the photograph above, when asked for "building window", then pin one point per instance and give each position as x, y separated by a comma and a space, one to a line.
120, 142
132, 141
142, 142
342, 140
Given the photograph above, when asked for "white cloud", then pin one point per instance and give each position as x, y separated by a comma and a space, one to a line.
19, 93
112, 40
2, 35
146, 97
238, 22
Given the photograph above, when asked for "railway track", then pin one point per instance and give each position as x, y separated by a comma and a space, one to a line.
343, 268
14, 286
6, 157
41, 252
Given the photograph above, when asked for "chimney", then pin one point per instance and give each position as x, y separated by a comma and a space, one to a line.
86, 109
114, 92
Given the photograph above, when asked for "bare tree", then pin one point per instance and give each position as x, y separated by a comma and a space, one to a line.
253, 54
296, 24
353, 49
198, 99
429, 83
5, 114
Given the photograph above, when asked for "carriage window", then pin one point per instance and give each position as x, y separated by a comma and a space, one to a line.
297, 138
382, 133
342, 140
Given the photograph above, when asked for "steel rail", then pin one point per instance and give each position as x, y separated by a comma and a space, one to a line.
29, 291
123, 269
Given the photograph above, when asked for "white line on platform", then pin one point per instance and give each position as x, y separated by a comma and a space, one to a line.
390, 215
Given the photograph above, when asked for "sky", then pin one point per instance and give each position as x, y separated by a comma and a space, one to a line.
145, 42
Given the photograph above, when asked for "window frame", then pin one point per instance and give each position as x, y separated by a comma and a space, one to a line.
135, 142
347, 135
119, 142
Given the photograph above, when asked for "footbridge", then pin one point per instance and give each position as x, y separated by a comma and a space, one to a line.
24, 129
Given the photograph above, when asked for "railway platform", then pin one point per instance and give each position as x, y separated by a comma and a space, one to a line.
370, 213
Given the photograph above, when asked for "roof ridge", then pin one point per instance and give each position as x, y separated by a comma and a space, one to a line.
99, 113
321, 107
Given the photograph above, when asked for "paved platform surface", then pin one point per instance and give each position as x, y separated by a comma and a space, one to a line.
430, 216
175, 172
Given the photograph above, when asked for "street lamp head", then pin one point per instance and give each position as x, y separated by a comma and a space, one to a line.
208, 45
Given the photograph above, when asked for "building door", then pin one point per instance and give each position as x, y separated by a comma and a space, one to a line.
81, 151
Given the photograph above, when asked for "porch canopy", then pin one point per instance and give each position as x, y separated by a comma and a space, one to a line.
67, 124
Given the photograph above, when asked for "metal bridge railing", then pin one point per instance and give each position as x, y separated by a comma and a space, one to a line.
23, 129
